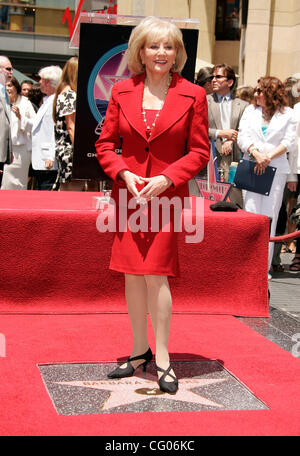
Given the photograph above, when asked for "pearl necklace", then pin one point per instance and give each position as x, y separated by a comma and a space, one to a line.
150, 128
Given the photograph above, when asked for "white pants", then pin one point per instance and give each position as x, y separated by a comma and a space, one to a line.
15, 175
267, 205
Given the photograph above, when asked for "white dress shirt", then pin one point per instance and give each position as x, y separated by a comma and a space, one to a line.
229, 103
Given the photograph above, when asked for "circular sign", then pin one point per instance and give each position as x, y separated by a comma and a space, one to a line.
110, 68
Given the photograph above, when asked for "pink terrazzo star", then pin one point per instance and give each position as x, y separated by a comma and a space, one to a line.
128, 390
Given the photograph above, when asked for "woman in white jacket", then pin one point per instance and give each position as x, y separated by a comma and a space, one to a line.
294, 183
15, 175
266, 134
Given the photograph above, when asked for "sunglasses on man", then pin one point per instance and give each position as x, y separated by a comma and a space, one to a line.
8, 68
219, 76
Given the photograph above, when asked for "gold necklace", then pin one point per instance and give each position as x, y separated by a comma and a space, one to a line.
148, 127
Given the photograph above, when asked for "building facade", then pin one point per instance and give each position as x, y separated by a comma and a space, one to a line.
256, 37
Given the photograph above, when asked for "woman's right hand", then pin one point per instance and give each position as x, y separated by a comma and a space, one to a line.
131, 180
229, 134
262, 161
16, 110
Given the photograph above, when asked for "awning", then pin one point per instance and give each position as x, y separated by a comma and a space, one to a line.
21, 77
202, 63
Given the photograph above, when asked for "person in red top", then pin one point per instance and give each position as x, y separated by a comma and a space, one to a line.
160, 121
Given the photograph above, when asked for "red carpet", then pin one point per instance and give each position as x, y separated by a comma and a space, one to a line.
271, 373
55, 261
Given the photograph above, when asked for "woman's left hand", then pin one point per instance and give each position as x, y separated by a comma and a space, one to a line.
155, 186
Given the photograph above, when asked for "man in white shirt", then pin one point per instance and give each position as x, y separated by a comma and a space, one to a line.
43, 141
6, 72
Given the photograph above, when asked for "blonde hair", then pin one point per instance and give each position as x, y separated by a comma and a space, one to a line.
151, 29
68, 78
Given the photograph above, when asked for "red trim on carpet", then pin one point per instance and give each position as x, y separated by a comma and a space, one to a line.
54, 260
271, 373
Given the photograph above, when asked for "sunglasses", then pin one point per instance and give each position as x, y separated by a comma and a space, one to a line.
8, 68
258, 91
219, 76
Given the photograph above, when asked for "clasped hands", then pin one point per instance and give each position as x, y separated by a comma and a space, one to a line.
154, 185
262, 161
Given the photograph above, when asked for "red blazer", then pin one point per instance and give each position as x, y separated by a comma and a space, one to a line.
178, 147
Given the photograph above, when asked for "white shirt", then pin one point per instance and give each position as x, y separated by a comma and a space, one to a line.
43, 140
229, 103
21, 128
5, 97
281, 130
294, 158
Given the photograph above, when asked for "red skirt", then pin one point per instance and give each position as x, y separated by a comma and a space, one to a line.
145, 242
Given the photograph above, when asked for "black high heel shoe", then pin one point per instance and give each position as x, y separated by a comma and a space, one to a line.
129, 369
167, 387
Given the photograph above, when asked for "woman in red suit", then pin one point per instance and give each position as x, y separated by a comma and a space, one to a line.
162, 120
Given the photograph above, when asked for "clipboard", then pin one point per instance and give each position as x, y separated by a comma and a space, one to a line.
246, 179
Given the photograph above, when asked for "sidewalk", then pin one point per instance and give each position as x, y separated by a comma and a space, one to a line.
283, 326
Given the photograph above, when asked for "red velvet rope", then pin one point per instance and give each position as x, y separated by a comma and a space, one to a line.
286, 237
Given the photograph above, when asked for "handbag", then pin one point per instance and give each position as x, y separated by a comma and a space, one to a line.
246, 179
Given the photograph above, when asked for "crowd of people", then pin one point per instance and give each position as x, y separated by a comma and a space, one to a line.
41, 119
242, 121
260, 124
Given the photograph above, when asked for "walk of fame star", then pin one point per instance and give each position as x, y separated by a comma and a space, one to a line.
128, 390
83, 388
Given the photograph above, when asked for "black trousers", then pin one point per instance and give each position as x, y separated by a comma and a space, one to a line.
44, 180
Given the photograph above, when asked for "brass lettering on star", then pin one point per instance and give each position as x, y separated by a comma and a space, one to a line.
149, 391
112, 382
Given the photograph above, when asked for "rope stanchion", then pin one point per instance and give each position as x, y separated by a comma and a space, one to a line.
285, 237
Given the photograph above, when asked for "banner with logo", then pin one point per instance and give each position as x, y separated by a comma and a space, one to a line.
102, 62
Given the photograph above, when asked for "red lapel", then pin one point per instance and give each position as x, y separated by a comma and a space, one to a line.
130, 99
179, 99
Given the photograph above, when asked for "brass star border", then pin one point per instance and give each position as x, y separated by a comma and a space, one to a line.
84, 388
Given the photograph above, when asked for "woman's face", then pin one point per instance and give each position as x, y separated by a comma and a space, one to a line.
208, 87
259, 96
158, 56
12, 91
